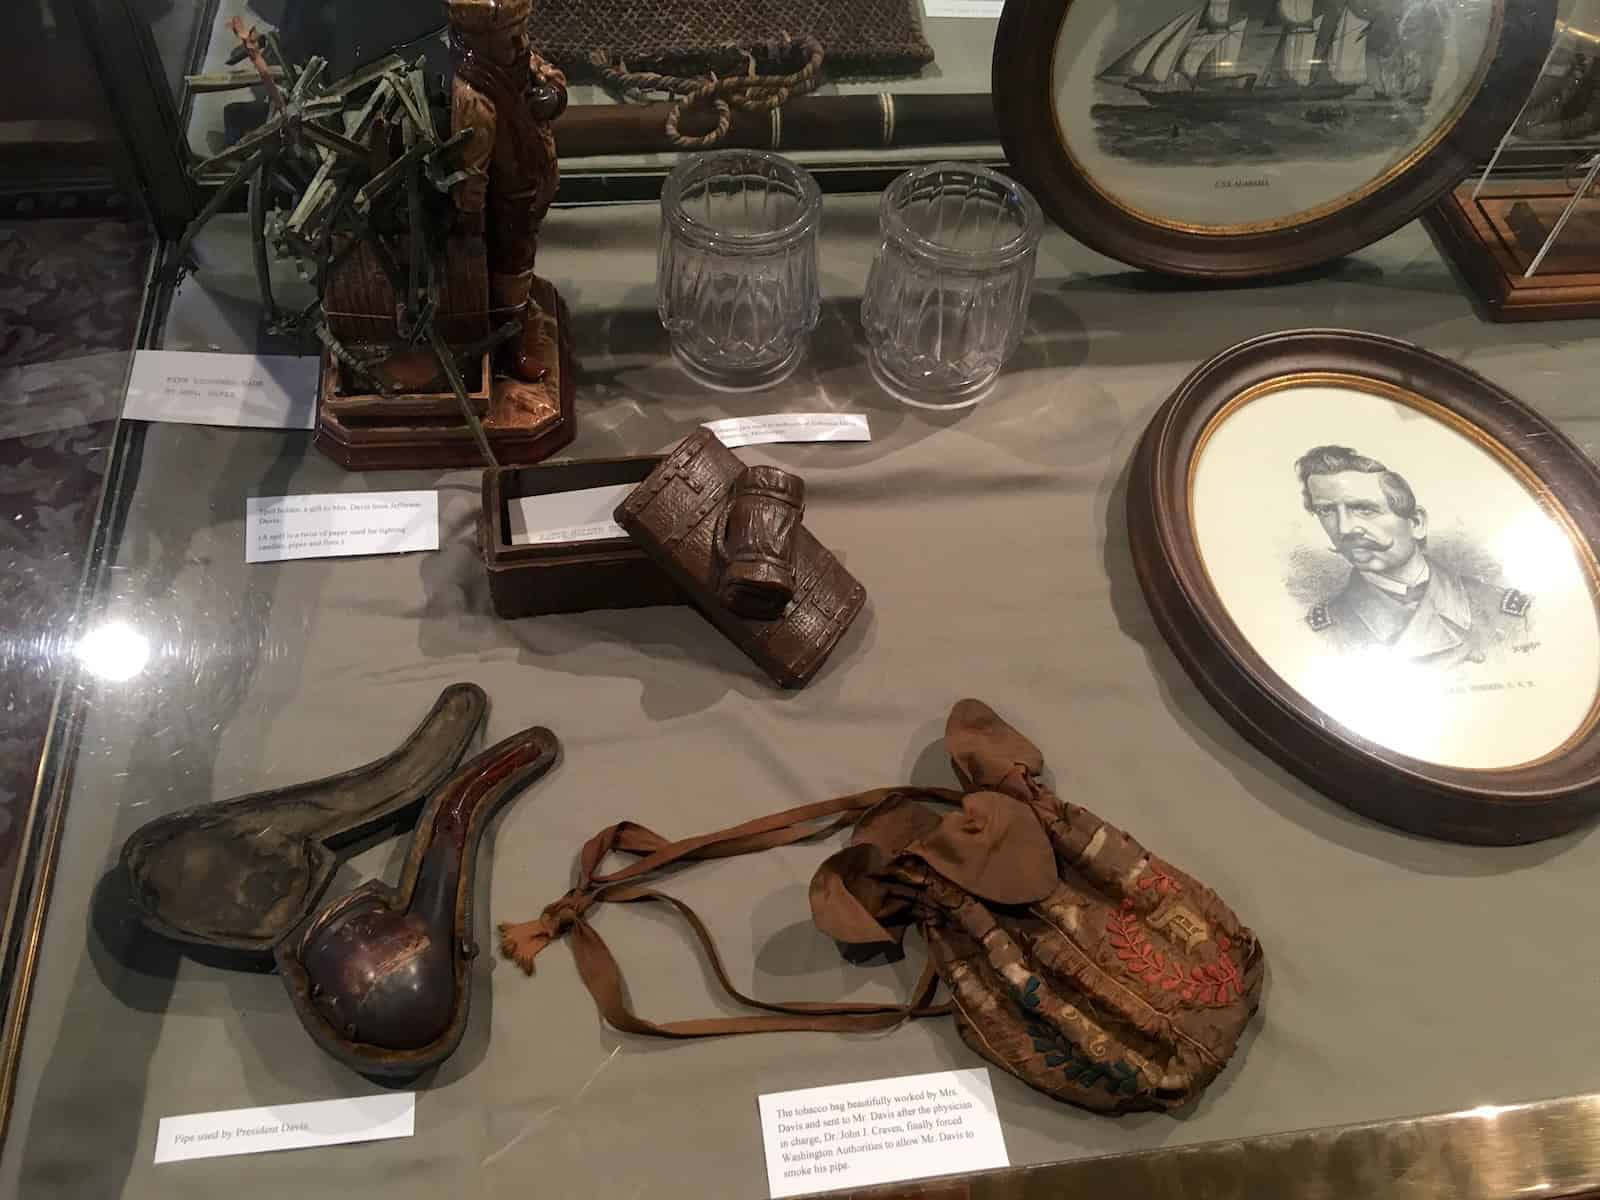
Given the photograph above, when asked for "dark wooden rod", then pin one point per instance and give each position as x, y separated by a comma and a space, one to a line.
805, 123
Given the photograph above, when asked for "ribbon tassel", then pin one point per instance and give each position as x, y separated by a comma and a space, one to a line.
522, 941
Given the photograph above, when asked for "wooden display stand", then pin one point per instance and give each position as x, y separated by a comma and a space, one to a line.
1494, 238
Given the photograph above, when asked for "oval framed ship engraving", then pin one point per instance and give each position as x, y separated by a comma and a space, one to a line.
1242, 138
1382, 570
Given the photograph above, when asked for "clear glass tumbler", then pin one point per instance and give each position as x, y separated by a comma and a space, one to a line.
736, 284
947, 298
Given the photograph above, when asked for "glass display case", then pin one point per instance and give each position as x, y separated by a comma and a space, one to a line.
1521, 229
1423, 990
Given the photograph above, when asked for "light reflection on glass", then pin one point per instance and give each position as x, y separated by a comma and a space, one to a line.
1535, 552
115, 651
1383, 699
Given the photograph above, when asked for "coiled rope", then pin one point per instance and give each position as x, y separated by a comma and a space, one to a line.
746, 89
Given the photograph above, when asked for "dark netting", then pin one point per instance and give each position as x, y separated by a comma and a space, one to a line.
697, 37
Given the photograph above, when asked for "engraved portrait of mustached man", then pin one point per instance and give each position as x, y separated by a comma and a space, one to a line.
1398, 596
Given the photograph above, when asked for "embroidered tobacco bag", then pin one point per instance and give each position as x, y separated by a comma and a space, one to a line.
1074, 958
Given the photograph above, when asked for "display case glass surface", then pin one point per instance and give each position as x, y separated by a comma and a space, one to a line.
1427, 1021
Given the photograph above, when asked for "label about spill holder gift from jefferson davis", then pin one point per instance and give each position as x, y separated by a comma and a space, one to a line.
242, 390
286, 1127
791, 427
339, 525
856, 1135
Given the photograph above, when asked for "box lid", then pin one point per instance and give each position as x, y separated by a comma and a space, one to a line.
674, 515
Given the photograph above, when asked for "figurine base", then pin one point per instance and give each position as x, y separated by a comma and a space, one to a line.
526, 422
1493, 240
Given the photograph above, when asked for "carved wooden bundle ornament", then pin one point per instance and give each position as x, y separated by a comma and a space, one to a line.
755, 542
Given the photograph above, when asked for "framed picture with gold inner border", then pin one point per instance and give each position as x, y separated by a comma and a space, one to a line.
1382, 570
1241, 138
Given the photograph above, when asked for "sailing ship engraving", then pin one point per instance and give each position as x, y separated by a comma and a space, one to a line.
1220, 81
1199, 56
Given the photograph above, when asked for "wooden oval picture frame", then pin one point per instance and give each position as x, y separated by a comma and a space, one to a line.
1382, 570
1233, 139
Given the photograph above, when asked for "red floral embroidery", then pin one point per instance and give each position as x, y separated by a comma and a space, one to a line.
1138, 956
1217, 982
1212, 984
1155, 877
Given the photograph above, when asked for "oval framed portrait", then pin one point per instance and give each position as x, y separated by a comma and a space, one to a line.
1382, 570
1244, 138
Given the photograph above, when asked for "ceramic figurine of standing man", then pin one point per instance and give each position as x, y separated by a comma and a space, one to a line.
508, 96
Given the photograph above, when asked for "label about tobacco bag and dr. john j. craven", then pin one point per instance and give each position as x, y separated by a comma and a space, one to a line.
855, 1135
